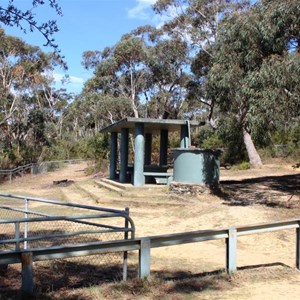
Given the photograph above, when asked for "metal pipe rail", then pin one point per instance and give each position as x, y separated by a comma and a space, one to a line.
74, 219
56, 202
144, 245
82, 219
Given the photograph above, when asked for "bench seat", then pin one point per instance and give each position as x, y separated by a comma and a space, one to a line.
160, 177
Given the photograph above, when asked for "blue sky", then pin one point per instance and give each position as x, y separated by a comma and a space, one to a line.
88, 25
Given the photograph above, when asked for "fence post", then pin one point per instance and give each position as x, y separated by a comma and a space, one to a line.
17, 235
231, 249
27, 273
144, 258
298, 247
26, 224
125, 254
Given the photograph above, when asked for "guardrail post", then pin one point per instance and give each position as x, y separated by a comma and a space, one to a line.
144, 258
26, 224
125, 254
17, 235
298, 247
27, 273
231, 251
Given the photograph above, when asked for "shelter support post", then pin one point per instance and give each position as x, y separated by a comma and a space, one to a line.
144, 258
163, 157
148, 148
231, 250
139, 149
113, 155
184, 136
124, 154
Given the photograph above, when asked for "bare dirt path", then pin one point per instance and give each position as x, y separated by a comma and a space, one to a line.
248, 197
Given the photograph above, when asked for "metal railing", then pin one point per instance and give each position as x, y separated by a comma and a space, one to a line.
26, 224
143, 245
35, 168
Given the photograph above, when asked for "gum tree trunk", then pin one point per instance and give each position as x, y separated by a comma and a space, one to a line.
253, 155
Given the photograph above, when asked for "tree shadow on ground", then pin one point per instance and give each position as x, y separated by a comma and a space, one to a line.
68, 278
273, 191
61, 275
188, 283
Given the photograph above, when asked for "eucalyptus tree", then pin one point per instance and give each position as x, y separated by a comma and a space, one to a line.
23, 82
91, 111
254, 73
21, 67
197, 22
167, 63
118, 70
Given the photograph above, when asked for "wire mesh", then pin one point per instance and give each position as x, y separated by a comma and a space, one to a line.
30, 224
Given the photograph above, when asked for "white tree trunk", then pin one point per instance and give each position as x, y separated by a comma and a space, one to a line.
253, 155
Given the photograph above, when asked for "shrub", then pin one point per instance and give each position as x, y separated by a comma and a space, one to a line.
242, 166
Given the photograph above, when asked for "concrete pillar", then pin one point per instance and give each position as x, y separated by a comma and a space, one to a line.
113, 155
163, 155
184, 137
139, 152
124, 154
148, 148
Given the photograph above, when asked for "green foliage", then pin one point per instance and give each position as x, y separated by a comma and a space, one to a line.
295, 135
242, 166
95, 147
207, 138
254, 72
227, 137
233, 63
229, 131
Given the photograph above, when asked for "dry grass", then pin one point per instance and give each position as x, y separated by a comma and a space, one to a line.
265, 261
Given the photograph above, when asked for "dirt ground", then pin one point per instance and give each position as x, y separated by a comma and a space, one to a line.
266, 261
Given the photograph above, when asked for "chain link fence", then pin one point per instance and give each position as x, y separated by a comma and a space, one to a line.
36, 168
27, 223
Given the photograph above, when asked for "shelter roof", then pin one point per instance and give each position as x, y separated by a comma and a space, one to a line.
150, 125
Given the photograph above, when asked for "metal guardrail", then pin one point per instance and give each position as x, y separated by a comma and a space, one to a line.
35, 168
26, 225
144, 245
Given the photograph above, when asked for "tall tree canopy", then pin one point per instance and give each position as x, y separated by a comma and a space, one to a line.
146, 69
118, 70
254, 73
27, 98
198, 22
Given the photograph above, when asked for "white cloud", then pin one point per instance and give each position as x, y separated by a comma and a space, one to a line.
71, 83
142, 10
58, 77
76, 80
